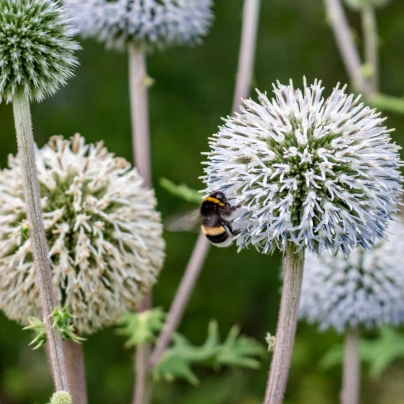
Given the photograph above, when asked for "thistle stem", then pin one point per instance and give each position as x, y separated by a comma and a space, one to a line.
26, 148
141, 154
73, 353
247, 51
201, 249
287, 322
369, 25
140, 112
351, 375
346, 46
181, 298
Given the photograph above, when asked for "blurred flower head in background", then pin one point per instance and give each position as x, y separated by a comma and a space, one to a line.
365, 289
154, 23
36, 48
319, 173
104, 235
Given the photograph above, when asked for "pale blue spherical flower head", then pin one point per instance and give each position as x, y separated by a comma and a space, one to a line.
364, 289
319, 173
154, 23
36, 48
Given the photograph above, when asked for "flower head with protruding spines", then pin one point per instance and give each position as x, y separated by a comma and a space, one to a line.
36, 48
154, 23
104, 235
319, 173
365, 289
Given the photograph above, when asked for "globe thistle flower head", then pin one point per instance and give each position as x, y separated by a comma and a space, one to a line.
104, 235
36, 48
153, 23
365, 289
319, 173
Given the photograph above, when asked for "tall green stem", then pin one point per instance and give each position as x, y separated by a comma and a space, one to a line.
351, 372
287, 322
346, 46
26, 148
371, 40
141, 154
76, 377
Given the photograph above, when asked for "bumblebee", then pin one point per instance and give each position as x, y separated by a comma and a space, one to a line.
216, 212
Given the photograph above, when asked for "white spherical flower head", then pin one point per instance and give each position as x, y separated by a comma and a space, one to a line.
154, 23
104, 235
365, 289
36, 48
319, 173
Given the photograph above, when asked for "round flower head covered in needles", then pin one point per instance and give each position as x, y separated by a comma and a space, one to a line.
104, 235
154, 23
365, 289
319, 173
36, 48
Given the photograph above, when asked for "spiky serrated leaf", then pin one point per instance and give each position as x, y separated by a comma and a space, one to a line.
142, 327
177, 362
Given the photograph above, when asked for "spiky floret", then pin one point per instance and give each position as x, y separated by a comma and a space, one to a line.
154, 23
36, 48
61, 397
322, 174
365, 289
104, 235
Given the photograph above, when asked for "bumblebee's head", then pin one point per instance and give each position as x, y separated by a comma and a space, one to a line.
220, 197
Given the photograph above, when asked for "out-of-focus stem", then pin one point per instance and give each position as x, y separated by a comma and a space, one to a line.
351, 375
346, 46
76, 377
140, 112
247, 51
287, 322
181, 298
201, 249
141, 154
371, 39
26, 148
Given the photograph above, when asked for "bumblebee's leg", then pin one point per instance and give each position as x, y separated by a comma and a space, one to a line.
238, 206
228, 226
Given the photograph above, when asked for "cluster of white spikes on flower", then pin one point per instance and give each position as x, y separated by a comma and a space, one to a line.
365, 289
36, 48
104, 235
155, 23
320, 173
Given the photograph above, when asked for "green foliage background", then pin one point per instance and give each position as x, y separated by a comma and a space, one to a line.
193, 90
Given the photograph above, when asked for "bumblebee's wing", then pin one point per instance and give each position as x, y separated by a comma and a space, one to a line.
189, 222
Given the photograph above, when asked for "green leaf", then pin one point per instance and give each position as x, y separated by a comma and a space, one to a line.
383, 351
142, 327
62, 321
239, 351
38, 327
270, 340
181, 191
388, 103
378, 353
177, 361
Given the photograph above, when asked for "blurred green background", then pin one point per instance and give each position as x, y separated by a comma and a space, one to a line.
193, 90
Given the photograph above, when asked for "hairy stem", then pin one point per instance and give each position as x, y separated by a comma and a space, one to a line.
346, 46
201, 249
26, 148
351, 375
76, 377
371, 39
140, 112
141, 154
287, 322
181, 298
247, 51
